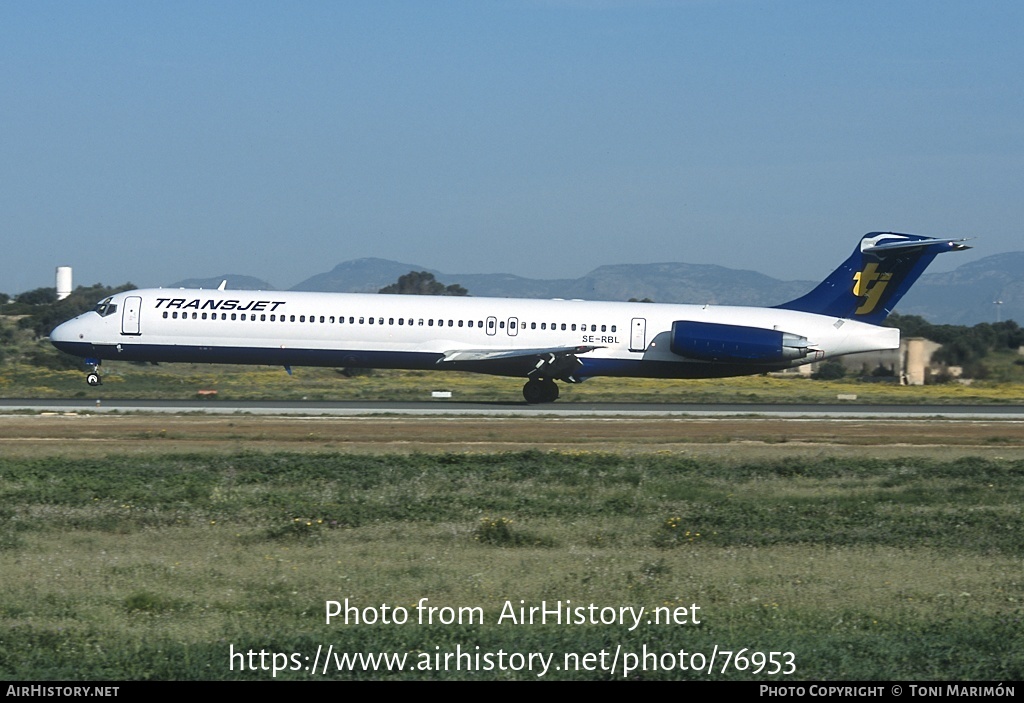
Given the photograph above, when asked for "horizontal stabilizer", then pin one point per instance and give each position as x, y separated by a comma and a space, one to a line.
940, 245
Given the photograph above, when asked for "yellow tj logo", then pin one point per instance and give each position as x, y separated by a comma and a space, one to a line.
869, 284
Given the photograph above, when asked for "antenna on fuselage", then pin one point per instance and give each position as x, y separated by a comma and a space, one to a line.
223, 284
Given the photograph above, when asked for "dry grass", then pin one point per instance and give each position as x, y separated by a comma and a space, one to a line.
719, 438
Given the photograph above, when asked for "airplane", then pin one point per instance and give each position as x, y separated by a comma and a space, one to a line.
543, 341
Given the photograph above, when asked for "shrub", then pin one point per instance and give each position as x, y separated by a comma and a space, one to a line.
829, 371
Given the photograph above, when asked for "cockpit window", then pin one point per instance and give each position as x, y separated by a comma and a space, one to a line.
105, 307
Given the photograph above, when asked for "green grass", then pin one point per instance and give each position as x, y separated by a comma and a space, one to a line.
155, 567
184, 381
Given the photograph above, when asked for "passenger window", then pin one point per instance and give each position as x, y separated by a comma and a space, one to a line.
613, 328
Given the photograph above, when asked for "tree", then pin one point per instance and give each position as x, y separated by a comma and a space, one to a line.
39, 296
962, 346
829, 371
422, 283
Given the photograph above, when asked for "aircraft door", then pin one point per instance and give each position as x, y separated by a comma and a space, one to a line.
492, 326
513, 326
130, 316
638, 334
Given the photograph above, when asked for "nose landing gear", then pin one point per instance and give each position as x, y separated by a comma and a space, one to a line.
92, 376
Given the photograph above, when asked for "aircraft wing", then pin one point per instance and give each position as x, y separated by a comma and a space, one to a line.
509, 354
547, 362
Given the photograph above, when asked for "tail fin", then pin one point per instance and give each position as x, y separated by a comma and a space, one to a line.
867, 286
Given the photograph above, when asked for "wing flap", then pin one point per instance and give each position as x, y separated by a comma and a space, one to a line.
509, 354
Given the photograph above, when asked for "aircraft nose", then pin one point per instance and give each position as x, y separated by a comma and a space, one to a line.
64, 332
70, 337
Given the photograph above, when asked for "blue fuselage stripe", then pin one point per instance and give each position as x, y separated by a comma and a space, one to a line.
355, 358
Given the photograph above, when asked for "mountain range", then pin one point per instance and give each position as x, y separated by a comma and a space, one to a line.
967, 295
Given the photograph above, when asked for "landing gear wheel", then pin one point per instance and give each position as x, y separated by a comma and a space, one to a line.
539, 390
93, 379
552, 391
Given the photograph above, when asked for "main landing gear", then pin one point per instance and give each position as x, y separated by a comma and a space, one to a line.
561, 364
540, 390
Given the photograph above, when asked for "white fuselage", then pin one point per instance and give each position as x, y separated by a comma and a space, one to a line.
406, 331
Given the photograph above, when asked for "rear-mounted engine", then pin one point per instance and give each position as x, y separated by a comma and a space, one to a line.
715, 342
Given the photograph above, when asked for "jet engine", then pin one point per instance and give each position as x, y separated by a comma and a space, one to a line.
735, 343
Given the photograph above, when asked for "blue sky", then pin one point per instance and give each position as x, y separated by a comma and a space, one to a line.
150, 142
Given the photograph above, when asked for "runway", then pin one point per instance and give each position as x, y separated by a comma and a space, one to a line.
737, 432
449, 408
